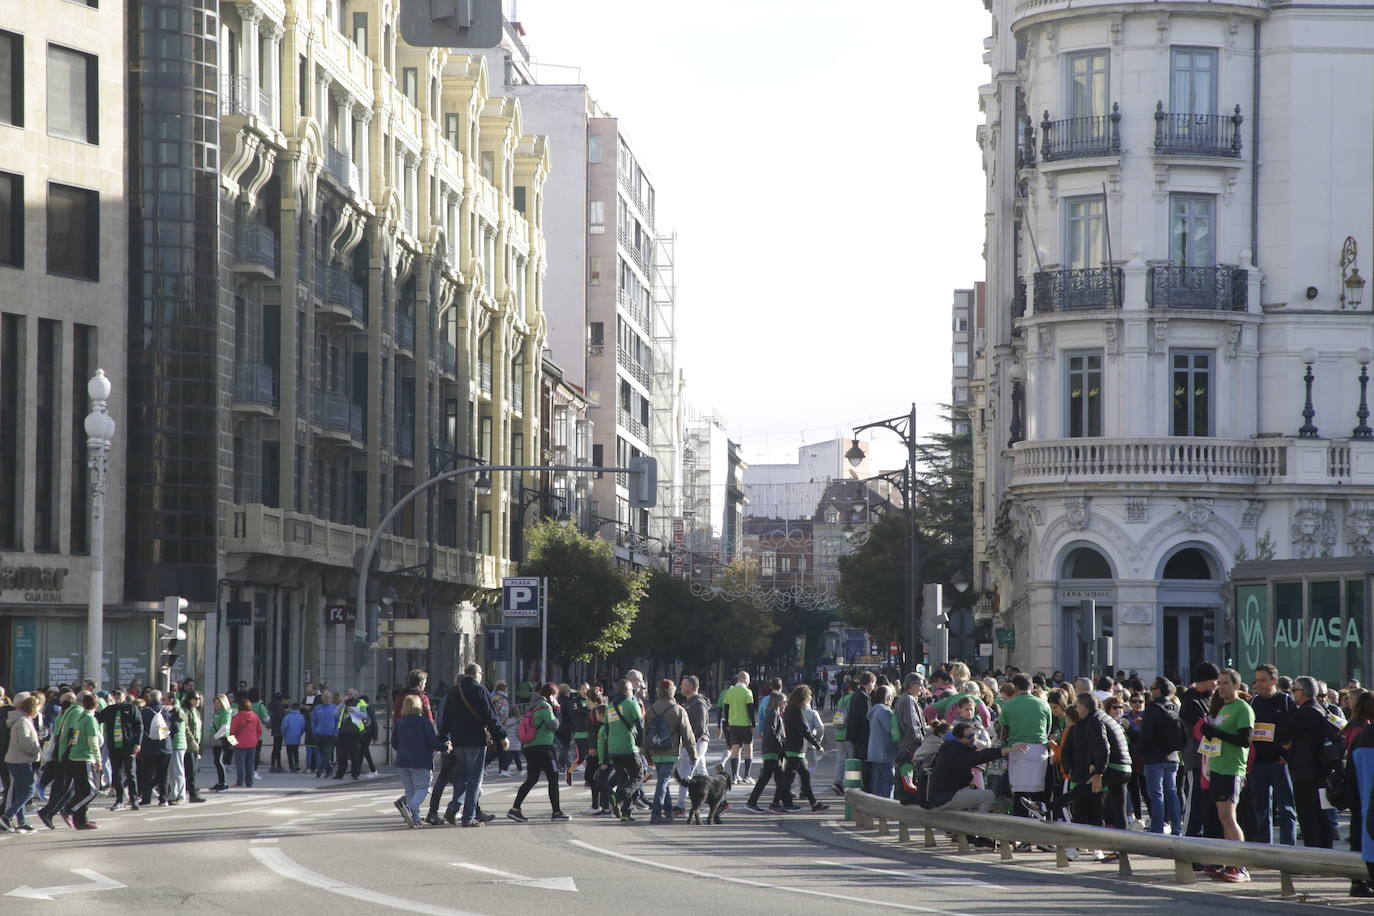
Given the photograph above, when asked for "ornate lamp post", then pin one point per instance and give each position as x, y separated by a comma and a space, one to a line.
100, 430
1308, 430
1352, 284
1363, 431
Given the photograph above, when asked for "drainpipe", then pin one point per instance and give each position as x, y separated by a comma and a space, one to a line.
1254, 152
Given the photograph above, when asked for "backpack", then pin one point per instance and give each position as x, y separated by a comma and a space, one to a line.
894, 728
1175, 735
527, 730
841, 709
777, 728
660, 739
922, 778
1333, 740
158, 729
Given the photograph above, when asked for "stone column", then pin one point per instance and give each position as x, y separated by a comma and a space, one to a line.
250, 16
321, 111
364, 154
273, 32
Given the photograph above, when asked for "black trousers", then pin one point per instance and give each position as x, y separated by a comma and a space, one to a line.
152, 775
222, 755
293, 757
122, 775
350, 754
771, 770
190, 759
627, 779
58, 789
276, 752
442, 780
794, 767
81, 790
1312, 820
541, 761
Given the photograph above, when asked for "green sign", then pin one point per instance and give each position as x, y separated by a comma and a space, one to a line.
1006, 637
24, 657
1252, 625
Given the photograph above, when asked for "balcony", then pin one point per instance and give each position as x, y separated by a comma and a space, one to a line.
448, 358
517, 395
484, 378
643, 259
1085, 289
256, 388
337, 289
335, 413
1081, 138
255, 248
236, 96
637, 372
1197, 134
405, 332
405, 438
1193, 460
1221, 289
636, 310
628, 421
337, 165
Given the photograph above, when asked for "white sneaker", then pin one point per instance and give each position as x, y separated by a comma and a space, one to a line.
1071, 854
745, 780
1098, 855
591, 812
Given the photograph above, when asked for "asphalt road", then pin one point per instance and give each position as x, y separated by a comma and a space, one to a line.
294, 844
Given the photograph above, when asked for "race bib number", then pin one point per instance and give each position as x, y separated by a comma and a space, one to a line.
1210, 747
838, 718
1336, 719
1263, 731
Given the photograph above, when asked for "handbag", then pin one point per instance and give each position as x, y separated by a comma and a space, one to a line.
493, 746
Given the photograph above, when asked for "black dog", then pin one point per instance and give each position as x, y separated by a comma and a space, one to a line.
709, 790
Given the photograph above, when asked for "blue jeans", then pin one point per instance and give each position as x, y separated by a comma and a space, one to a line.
243, 765
1269, 783
324, 755
469, 763
415, 781
663, 795
1161, 793
21, 790
881, 779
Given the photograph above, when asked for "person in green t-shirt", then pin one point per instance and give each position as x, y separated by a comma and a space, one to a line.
1027, 721
1225, 747
737, 716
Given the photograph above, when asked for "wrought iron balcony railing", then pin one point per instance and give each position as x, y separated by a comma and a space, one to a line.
255, 243
448, 358
1018, 299
255, 383
1197, 134
336, 286
336, 163
405, 437
405, 332
1081, 138
235, 95
1078, 290
1222, 289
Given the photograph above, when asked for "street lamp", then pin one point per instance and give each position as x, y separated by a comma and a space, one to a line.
905, 428
1352, 284
1308, 430
100, 430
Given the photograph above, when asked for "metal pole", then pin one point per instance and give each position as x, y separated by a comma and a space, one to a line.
544, 636
912, 560
100, 429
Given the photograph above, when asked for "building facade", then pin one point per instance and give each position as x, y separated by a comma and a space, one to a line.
1176, 196
64, 230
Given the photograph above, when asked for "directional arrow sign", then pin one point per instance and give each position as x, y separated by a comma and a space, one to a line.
548, 884
98, 883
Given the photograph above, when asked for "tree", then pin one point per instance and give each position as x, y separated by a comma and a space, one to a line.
873, 579
748, 627
592, 602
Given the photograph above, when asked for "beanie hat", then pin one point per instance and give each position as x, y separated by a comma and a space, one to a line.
1205, 671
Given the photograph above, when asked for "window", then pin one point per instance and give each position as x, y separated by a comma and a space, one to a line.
1191, 218
1193, 81
11, 79
961, 395
596, 215
519, 198
360, 31
451, 128
488, 163
11, 220
484, 439
1084, 239
73, 96
83, 366
47, 452
1084, 389
386, 47
1192, 392
596, 333
73, 232
12, 376
961, 325
410, 85
961, 359
484, 532
1087, 78
594, 270
593, 149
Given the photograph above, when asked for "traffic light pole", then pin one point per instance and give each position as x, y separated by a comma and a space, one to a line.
645, 471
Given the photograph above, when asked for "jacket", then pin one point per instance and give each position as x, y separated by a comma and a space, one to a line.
154, 747
1095, 742
1155, 726
1305, 729
856, 724
275, 710
191, 727
469, 727
679, 731
293, 727
24, 746
324, 719
620, 728
415, 742
246, 727
130, 726
880, 746
698, 710
768, 740
353, 717
545, 721
913, 724
797, 732
1192, 706
1275, 711
953, 769
412, 692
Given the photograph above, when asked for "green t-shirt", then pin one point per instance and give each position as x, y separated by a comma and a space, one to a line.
941, 706
1027, 719
842, 716
85, 737
617, 736
737, 701
1232, 717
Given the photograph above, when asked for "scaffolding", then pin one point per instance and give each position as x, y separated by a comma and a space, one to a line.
665, 402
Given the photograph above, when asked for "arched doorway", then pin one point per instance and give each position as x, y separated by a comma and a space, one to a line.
1086, 596
1190, 595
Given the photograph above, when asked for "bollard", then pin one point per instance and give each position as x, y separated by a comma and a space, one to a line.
853, 779
930, 837
882, 826
903, 835
1183, 872
1286, 888
1006, 849
1061, 856
1123, 862
963, 841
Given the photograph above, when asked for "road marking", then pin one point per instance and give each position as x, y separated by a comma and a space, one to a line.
190, 814
262, 841
925, 879
548, 884
764, 884
287, 867
97, 882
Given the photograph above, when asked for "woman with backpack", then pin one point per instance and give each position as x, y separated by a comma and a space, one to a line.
667, 733
1160, 739
536, 732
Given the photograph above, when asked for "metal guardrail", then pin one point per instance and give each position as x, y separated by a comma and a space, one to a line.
1288, 861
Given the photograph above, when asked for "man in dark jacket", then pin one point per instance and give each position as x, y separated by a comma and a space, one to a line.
856, 720
123, 728
469, 724
952, 775
1100, 761
1158, 745
1200, 814
156, 754
1271, 788
1304, 736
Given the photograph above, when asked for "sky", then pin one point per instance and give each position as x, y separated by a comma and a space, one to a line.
819, 165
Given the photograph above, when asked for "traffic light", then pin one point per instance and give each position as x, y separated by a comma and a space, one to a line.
172, 629
451, 23
643, 482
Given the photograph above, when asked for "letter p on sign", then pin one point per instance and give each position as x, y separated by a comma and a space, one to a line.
520, 598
